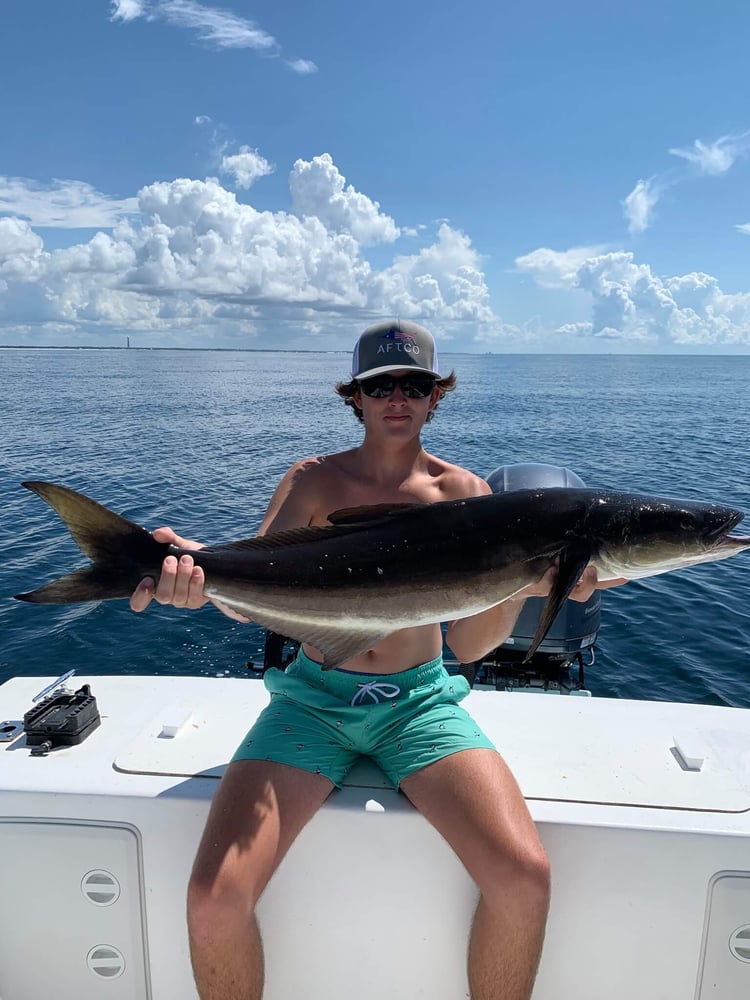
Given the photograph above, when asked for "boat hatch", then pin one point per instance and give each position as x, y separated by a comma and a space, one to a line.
617, 752
593, 750
197, 735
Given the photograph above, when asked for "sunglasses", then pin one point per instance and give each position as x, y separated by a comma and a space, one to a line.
415, 386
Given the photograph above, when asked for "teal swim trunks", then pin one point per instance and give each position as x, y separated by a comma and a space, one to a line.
323, 720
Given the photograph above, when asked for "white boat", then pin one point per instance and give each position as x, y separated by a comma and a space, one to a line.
644, 809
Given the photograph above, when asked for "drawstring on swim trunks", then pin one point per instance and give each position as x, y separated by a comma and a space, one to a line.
376, 690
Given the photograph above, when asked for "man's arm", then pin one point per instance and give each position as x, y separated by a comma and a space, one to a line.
181, 583
472, 638
296, 499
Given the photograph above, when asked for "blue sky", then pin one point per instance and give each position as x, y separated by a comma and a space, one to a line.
535, 177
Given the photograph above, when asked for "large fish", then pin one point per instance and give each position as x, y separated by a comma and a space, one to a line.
379, 569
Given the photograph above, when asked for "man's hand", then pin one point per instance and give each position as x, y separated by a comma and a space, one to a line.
582, 591
180, 581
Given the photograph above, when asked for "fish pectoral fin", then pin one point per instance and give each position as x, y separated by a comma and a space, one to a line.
573, 561
336, 645
339, 647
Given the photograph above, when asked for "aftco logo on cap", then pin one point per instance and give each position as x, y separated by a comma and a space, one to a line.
397, 341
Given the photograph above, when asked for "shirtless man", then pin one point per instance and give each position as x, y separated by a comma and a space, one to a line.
462, 785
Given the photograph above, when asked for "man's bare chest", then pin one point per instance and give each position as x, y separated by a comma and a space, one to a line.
354, 494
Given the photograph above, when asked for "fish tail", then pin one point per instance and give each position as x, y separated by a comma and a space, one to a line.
121, 552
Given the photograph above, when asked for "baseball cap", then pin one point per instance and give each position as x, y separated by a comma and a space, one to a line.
394, 344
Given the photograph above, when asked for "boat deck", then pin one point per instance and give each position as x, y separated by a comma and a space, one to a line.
644, 809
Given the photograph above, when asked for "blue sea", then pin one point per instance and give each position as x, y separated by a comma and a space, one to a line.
198, 440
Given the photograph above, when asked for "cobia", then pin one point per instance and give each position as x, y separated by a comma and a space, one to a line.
375, 570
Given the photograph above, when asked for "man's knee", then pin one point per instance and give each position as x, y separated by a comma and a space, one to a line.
536, 871
213, 903
522, 874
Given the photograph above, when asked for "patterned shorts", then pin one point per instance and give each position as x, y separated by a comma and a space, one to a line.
323, 720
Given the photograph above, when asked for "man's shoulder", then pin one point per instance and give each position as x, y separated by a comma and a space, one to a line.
317, 478
303, 495
455, 482
319, 467
306, 466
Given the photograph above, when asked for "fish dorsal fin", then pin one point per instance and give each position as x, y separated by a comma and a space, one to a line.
371, 512
274, 540
347, 517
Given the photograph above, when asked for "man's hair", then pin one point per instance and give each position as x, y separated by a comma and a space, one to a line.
347, 391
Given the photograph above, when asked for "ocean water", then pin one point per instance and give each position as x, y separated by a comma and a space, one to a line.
198, 440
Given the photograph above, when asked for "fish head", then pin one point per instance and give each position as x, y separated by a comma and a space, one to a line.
643, 536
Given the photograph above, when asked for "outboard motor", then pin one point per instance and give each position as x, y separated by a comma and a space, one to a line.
573, 631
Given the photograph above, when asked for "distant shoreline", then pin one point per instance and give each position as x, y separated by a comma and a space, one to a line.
705, 355
102, 347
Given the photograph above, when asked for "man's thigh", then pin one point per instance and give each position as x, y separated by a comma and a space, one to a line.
258, 810
473, 800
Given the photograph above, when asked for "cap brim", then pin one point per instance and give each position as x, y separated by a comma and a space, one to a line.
383, 369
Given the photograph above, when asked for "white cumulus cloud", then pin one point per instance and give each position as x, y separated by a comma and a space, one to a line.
318, 189
246, 166
556, 268
193, 254
442, 280
17, 239
630, 302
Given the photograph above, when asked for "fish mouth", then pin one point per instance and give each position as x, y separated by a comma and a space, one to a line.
720, 533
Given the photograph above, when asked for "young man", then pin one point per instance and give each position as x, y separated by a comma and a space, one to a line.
432, 751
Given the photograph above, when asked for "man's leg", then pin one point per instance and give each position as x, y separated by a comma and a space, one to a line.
258, 810
472, 799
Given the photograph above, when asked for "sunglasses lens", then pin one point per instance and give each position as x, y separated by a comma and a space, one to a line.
418, 388
412, 386
378, 388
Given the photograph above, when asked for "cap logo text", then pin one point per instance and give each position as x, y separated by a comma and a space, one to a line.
398, 342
